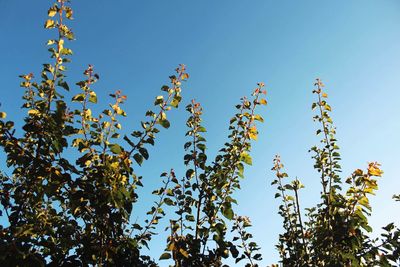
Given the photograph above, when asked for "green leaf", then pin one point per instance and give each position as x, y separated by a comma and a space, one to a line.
164, 123
190, 218
9, 125
138, 158
168, 201
240, 168
313, 106
189, 173
228, 212
245, 157
144, 152
115, 148
175, 102
234, 251
202, 147
69, 35
201, 129
78, 98
129, 141
93, 97
364, 202
64, 85
367, 227
66, 51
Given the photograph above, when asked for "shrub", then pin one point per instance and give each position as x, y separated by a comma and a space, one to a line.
73, 182
336, 231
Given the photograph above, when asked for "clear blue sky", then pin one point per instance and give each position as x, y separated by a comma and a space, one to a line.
229, 46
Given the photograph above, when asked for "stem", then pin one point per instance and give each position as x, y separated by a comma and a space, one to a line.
58, 57
159, 204
232, 170
196, 119
288, 214
244, 244
154, 121
327, 140
300, 220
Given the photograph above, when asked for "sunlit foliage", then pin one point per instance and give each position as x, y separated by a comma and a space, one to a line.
335, 232
71, 180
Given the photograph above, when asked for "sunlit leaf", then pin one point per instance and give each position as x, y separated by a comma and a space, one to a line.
92, 97
115, 148
246, 158
49, 24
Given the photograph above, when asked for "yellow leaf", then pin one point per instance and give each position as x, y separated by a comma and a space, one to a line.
49, 24
76, 210
374, 170
61, 44
246, 158
114, 165
123, 179
358, 172
33, 112
258, 118
52, 12
364, 202
369, 191
253, 136
171, 247
263, 101
88, 113
325, 95
69, 13
50, 42
184, 76
57, 172
163, 116
328, 108
253, 133
3, 115
184, 253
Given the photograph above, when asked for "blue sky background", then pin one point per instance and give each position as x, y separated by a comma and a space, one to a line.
229, 46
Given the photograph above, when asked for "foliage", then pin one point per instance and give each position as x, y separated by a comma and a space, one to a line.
73, 183
336, 232
203, 197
